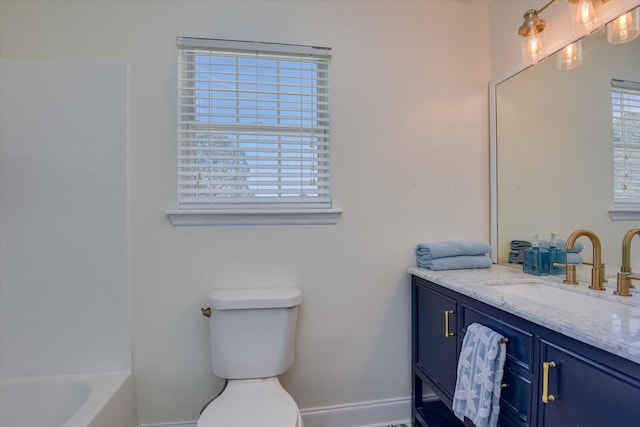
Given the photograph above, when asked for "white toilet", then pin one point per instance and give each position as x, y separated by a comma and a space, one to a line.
252, 342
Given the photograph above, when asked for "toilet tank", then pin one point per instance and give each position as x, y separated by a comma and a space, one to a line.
253, 331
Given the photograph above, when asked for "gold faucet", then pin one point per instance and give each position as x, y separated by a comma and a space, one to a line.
597, 275
625, 275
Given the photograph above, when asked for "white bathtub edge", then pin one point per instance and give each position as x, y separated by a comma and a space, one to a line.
104, 388
110, 401
120, 410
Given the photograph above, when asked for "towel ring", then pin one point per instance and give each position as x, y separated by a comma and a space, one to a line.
500, 341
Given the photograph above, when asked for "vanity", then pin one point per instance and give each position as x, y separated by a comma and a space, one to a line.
573, 354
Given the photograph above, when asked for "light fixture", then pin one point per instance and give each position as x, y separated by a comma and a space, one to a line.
534, 39
625, 28
584, 16
570, 57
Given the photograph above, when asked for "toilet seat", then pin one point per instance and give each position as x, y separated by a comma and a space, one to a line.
254, 402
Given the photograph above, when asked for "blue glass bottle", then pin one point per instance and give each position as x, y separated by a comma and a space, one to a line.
536, 260
556, 255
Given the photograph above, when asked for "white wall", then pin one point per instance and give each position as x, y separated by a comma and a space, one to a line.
64, 289
410, 164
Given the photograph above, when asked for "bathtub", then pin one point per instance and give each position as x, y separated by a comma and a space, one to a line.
83, 400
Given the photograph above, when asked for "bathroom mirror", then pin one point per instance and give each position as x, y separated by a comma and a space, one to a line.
553, 153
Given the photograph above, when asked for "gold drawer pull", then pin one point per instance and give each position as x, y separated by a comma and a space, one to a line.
546, 397
447, 334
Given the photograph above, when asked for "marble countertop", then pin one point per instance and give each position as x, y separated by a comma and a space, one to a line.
614, 330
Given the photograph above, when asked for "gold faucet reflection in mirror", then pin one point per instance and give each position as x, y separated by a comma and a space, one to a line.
625, 276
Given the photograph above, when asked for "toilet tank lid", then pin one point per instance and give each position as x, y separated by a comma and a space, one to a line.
238, 299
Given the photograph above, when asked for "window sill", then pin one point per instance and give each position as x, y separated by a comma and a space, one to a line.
621, 214
254, 217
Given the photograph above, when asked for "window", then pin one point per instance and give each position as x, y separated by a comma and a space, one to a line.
625, 97
254, 128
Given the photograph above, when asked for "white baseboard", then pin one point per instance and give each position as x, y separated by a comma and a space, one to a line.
376, 413
360, 414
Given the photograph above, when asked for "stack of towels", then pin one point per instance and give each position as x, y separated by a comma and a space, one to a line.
479, 376
453, 255
516, 255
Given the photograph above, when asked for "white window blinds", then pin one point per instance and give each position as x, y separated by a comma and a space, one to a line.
253, 125
625, 97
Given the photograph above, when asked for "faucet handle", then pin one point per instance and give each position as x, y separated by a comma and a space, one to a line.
570, 274
597, 277
624, 284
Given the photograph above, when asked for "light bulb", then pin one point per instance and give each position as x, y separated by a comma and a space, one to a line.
625, 28
585, 16
532, 49
532, 44
570, 57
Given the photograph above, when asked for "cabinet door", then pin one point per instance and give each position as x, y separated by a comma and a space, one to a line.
585, 393
437, 337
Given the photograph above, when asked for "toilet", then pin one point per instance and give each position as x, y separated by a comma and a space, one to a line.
252, 342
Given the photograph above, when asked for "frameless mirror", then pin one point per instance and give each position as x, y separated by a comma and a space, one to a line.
553, 155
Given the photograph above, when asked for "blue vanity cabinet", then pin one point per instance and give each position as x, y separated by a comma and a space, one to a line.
590, 387
440, 319
434, 353
585, 392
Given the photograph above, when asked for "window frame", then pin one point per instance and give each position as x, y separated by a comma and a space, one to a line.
624, 209
277, 207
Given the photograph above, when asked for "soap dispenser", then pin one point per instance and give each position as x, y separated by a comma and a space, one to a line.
557, 254
536, 260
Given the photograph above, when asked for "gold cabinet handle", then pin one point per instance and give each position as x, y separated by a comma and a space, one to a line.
546, 397
447, 334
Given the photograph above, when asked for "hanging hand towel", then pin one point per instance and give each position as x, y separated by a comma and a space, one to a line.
435, 250
480, 369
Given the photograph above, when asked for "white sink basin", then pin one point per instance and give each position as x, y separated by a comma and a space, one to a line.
565, 299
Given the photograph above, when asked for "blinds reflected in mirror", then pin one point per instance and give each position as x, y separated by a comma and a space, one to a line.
625, 102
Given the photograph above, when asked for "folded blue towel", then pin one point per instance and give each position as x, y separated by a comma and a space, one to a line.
479, 375
455, 262
577, 246
516, 257
520, 245
444, 249
574, 258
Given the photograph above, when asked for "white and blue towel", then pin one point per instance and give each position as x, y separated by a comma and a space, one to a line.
479, 376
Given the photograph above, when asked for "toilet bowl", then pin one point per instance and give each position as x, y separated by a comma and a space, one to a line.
256, 402
252, 342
